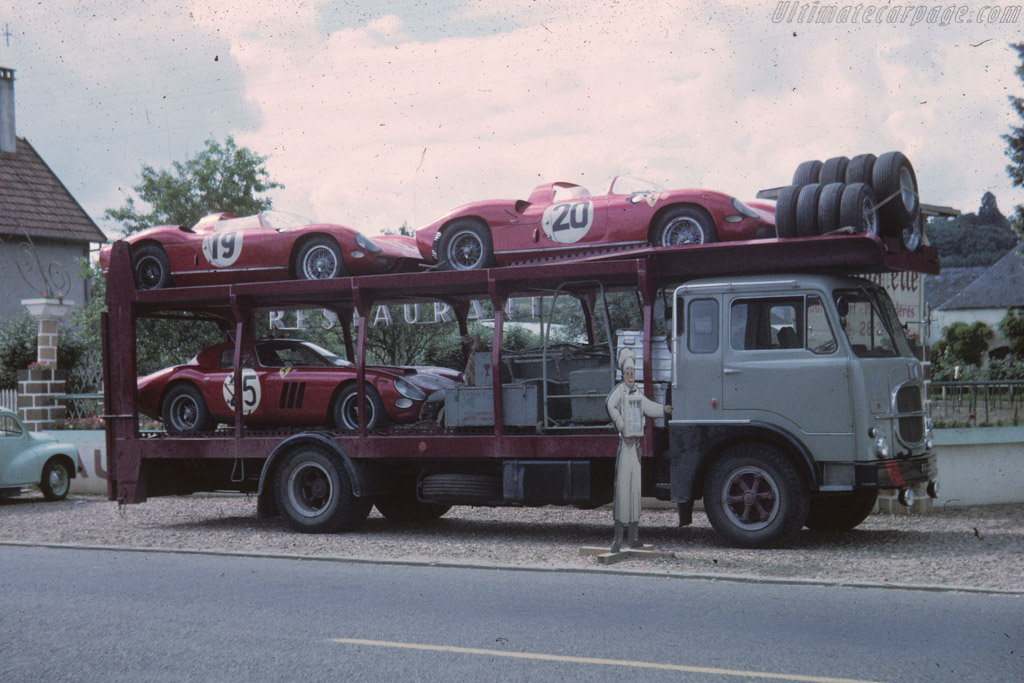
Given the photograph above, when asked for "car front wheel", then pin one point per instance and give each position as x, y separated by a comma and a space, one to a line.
320, 259
466, 245
346, 409
684, 225
56, 480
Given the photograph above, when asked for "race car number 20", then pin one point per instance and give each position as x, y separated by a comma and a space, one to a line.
568, 222
222, 248
251, 392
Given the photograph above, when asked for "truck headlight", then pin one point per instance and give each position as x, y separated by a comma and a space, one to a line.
882, 448
409, 390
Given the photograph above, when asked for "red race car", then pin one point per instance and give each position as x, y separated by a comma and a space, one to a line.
285, 382
271, 245
563, 219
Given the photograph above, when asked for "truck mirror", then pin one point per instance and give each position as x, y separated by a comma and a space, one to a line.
843, 306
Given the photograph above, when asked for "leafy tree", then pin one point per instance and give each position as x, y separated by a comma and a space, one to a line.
963, 344
1012, 327
1015, 143
17, 347
220, 178
972, 239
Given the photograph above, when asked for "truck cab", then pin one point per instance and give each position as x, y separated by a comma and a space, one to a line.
797, 397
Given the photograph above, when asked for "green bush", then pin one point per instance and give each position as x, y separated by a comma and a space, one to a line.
18, 338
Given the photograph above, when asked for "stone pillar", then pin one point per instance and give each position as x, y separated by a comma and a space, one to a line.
38, 385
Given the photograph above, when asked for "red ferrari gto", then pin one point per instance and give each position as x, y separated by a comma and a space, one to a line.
285, 382
563, 219
271, 245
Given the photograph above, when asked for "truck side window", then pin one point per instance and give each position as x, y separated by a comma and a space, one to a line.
820, 338
703, 326
760, 324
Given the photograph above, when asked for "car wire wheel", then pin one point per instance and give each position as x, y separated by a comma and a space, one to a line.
683, 225
320, 259
152, 269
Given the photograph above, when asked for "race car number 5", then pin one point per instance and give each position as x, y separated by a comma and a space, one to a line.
222, 248
568, 222
251, 392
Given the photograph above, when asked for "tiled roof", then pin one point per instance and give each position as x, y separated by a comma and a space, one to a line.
1001, 286
938, 289
33, 198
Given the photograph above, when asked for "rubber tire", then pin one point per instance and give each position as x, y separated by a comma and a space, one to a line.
807, 210
840, 513
463, 489
828, 207
466, 234
348, 402
785, 211
402, 505
860, 169
807, 173
833, 170
299, 484
314, 270
912, 237
856, 209
157, 269
203, 422
58, 468
693, 216
893, 173
789, 505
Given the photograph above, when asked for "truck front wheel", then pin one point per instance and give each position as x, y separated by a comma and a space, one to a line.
755, 497
314, 492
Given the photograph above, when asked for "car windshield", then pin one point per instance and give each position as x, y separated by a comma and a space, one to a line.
625, 184
275, 220
286, 354
870, 323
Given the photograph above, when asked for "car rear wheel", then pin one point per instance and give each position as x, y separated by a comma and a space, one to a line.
314, 492
828, 208
857, 209
681, 225
860, 169
785, 211
466, 245
346, 409
320, 259
184, 411
808, 172
833, 170
56, 480
895, 186
151, 268
807, 210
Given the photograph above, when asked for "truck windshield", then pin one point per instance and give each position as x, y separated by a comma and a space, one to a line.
870, 323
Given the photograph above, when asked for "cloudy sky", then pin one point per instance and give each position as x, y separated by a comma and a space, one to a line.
379, 112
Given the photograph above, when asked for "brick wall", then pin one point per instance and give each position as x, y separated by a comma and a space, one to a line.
36, 390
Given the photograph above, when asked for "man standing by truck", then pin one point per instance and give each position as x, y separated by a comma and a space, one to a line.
627, 407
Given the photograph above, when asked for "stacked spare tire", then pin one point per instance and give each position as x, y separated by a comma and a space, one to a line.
864, 194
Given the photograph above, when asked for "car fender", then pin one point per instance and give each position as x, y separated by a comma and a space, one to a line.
30, 462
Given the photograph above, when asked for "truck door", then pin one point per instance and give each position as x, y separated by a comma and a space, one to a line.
697, 356
782, 365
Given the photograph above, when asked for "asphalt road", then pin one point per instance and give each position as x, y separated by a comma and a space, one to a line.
69, 614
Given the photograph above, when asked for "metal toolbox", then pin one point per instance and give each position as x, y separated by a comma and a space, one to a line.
474, 406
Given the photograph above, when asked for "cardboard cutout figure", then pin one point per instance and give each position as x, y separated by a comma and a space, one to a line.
627, 407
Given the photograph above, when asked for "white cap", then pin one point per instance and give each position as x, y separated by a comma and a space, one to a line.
627, 359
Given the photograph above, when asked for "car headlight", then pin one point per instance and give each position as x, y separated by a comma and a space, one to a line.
409, 390
366, 243
744, 209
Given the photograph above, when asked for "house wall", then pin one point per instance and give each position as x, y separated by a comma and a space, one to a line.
14, 287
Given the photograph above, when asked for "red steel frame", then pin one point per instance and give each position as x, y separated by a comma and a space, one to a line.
646, 270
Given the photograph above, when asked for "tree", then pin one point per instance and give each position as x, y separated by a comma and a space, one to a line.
1012, 327
220, 178
1015, 143
964, 344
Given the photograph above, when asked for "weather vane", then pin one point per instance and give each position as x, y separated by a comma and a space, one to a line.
52, 282
7, 33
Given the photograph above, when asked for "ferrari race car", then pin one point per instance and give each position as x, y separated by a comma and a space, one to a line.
563, 219
285, 382
271, 245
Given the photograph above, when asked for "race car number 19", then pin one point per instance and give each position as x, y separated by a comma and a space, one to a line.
222, 248
569, 222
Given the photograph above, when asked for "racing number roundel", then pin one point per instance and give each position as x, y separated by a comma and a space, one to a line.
568, 222
222, 248
251, 392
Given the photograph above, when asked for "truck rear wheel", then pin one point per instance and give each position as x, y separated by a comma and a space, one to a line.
840, 513
755, 497
464, 489
314, 492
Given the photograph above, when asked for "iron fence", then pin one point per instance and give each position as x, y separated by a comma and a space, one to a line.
977, 402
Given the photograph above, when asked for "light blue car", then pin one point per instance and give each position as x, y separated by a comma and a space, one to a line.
33, 459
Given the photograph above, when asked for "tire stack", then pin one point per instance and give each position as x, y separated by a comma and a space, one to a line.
864, 194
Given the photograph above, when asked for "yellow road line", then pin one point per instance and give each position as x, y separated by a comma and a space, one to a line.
593, 660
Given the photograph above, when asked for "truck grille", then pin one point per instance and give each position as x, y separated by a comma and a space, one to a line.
910, 420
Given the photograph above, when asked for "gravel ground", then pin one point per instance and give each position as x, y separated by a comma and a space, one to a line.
974, 547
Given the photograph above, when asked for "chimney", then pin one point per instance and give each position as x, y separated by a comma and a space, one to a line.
8, 141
